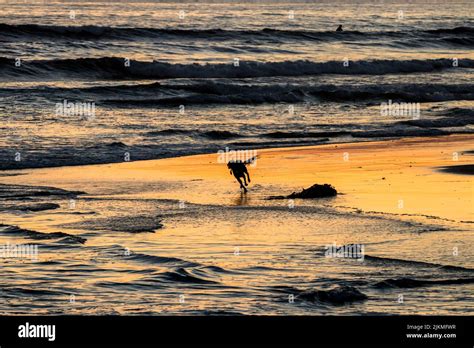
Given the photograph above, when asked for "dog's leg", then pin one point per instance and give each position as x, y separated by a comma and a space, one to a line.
241, 184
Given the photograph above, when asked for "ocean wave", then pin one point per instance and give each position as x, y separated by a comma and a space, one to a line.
339, 295
299, 135
400, 132
459, 41
171, 131
458, 111
17, 291
407, 282
215, 134
92, 32
161, 280
457, 30
258, 144
152, 259
452, 117
114, 68
223, 135
182, 275
227, 93
203, 92
412, 263
59, 236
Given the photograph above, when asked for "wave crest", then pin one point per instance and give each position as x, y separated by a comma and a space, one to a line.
93, 32
114, 68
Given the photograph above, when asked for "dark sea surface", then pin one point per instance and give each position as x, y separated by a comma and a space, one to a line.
176, 79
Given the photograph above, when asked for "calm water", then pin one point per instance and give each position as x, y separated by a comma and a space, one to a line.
216, 75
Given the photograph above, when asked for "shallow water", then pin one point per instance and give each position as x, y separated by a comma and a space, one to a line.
159, 256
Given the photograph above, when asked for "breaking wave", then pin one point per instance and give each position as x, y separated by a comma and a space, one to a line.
92, 32
114, 68
225, 93
417, 283
411, 263
60, 236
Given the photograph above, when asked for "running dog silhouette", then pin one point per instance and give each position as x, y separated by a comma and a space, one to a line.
239, 169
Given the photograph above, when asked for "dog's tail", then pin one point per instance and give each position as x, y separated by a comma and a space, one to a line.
250, 160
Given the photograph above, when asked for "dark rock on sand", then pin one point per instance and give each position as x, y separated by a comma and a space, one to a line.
465, 169
315, 191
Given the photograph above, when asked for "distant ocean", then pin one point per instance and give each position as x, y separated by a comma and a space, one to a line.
173, 79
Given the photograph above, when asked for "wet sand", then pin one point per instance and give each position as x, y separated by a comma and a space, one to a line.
397, 176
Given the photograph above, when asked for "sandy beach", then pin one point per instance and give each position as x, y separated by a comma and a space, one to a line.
179, 233
406, 176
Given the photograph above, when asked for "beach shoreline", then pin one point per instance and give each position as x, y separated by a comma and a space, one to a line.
390, 176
